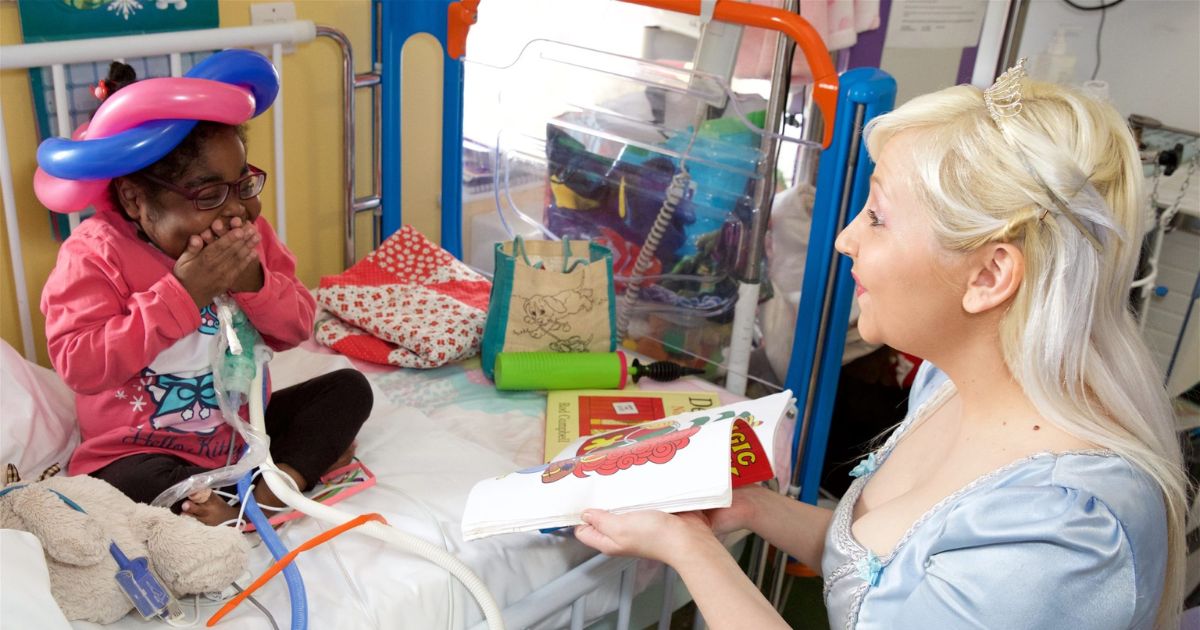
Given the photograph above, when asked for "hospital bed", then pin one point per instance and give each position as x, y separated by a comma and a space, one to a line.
433, 434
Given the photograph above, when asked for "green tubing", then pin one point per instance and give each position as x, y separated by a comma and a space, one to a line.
561, 370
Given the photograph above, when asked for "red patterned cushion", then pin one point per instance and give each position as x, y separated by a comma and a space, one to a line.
408, 303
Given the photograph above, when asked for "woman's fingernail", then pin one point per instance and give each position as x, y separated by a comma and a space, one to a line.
587, 516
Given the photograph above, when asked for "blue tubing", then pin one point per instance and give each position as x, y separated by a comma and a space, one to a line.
291, 574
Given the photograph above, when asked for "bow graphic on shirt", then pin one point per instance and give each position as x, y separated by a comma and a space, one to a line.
181, 394
209, 324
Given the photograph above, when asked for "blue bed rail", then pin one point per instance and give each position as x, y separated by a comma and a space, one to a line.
842, 187
398, 21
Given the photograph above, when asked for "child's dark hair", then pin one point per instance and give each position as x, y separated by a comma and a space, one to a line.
173, 164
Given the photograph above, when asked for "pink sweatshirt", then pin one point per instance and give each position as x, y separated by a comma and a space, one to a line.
128, 339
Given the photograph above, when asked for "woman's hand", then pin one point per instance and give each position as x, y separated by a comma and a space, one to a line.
739, 515
645, 534
653, 534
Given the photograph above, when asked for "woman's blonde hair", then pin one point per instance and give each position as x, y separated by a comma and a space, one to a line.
1068, 338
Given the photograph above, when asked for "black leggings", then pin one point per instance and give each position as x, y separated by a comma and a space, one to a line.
310, 424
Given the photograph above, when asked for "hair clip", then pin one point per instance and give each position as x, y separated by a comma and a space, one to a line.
1072, 217
1060, 205
1003, 98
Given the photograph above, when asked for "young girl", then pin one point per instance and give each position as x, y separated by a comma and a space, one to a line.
130, 323
1041, 485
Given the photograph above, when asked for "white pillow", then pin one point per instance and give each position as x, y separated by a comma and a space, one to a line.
37, 416
25, 600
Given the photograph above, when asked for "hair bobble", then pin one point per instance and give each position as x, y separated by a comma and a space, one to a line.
100, 90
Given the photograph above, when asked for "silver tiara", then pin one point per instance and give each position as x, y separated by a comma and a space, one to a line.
1003, 98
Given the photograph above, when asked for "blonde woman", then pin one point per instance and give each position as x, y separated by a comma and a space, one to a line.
1040, 485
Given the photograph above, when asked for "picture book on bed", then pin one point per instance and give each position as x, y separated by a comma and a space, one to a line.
689, 461
574, 413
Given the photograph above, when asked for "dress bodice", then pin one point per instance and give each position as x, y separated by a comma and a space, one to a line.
1053, 540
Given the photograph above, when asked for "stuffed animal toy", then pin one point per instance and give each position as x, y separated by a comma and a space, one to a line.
188, 556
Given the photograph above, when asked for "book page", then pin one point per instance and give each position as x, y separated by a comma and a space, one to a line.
574, 413
676, 464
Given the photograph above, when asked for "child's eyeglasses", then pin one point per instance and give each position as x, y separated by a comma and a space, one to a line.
213, 196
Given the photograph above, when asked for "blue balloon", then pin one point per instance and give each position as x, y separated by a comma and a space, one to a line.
140, 146
246, 68
121, 154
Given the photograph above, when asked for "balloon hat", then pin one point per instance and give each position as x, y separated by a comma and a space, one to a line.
144, 121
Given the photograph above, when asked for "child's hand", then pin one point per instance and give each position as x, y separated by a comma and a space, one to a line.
251, 278
646, 534
209, 268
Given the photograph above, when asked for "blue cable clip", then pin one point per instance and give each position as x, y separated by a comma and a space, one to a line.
144, 589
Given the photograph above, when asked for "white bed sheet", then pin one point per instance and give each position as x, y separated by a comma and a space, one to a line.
431, 437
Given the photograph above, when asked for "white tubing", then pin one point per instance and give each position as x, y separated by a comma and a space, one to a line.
284, 488
742, 337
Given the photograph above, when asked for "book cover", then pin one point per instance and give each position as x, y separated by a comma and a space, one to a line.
690, 461
571, 414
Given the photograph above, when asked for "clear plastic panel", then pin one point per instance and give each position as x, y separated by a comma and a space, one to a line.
634, 155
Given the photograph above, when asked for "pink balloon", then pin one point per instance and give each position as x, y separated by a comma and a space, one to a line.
152, 99
69, 195
171, 97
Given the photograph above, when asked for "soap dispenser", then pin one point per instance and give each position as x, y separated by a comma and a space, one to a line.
1056, 64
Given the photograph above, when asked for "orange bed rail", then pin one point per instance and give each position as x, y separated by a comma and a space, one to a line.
825, 78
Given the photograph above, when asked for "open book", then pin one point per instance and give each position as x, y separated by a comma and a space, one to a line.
691, 461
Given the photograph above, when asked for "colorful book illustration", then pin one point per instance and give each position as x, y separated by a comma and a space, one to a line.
574, 413
688, 461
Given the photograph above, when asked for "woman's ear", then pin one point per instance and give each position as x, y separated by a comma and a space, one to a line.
131, 196
996, 274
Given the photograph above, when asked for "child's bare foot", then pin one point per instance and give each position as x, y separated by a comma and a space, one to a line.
208, 508
262, 492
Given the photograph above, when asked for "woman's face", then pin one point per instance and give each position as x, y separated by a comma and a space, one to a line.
169, 219
909, 288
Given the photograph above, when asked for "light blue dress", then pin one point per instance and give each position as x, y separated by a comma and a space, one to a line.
1056, 541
